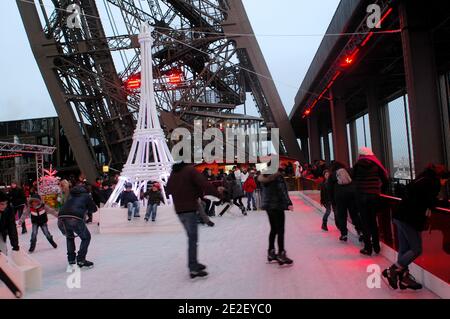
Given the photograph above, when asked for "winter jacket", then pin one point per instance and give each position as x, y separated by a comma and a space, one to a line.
275, 192
127, 197
236, 189
78, 204
335, 190
325, 194
154, 197
187, 185
17, 197
421, 195
8, 227
369, 177
105, 194
38, 215
249, 185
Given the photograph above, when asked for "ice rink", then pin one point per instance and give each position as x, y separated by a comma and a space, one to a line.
154, 265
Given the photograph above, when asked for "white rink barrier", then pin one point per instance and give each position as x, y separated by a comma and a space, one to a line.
114, 220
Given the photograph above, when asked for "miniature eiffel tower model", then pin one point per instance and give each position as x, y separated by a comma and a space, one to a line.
149, 158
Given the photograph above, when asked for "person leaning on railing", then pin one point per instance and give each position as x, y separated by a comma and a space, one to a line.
411, 219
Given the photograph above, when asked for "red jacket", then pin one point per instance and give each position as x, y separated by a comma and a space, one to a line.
249, 185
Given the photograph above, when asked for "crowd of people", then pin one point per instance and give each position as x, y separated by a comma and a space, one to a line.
347, 192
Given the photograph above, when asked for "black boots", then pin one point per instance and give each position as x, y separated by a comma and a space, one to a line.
343, 238
32, 246
324, 226
400, 278
283, 259
85, 264
271, 255
51, 241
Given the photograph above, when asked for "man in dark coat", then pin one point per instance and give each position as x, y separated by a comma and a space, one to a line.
18, 201
187, 186
370, 178
7, 225
71, 222
411, 219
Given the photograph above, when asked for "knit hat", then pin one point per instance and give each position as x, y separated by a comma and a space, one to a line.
365, 151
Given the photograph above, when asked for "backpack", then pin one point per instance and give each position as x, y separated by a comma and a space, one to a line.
343, 177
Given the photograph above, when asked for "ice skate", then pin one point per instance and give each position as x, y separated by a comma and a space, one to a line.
85, 264
198, 274
271, 256
283, 260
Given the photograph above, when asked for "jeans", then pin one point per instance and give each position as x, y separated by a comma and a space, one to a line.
133, 207
409, 243
367, 204
251, 198
276, 220
327, 213
71, 227
151, 211
189, 221
35, 229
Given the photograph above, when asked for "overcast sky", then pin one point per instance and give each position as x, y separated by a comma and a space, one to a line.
24, 95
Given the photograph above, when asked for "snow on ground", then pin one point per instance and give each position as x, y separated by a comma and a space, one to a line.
154, 265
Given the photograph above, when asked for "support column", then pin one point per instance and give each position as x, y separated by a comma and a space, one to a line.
305, 149
326, 143
422, 84
314, 137
376, 131
353, 142
338, 118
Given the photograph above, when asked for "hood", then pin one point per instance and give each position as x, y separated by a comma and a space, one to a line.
78, 190
179, 166
367, 160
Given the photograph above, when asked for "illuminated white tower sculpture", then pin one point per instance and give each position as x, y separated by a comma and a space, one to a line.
149, 158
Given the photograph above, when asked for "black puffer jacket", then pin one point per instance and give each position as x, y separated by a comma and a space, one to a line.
17, 197
420, 195
275, 192
8, 227
78, 204
368, 177
154, 197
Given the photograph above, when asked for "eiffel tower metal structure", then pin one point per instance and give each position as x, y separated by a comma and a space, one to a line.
86, 70
150, 159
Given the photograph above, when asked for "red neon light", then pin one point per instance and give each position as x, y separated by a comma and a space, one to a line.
10, 156
336, 76
133, 82
384, 17
175, 78
369, 36
307, 112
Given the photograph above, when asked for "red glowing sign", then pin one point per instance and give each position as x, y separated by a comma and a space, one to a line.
133, 82
175, 78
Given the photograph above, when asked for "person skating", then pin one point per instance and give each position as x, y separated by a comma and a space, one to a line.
129, 200
410, 220
341, 186
37, 210
370, 177
325, 199
71, 223
7, 225
237, 193
154, 199
18, 201
275, 201
186, 186
249, 189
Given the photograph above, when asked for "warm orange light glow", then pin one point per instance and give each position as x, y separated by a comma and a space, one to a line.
133, 82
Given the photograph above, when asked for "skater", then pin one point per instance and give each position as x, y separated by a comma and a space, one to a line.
249, 189
343, 189
71, 223
186, 185
38, 212
237, 193
7, 225
370, 177
325, 199
411, 219
18, 201
154, 197
129, 200
275, 201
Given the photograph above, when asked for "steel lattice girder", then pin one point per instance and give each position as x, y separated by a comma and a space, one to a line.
86, 87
